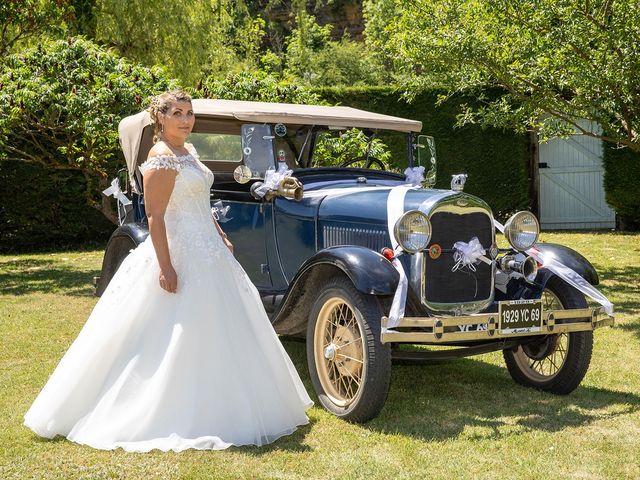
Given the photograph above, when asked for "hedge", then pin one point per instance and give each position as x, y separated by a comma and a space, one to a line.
621, 174
44, 209
496, 161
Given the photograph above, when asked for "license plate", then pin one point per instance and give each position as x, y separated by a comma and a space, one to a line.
520, 316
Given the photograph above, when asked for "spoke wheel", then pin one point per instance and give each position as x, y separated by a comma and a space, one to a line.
349, 367
339, 351
543, 360
555, 363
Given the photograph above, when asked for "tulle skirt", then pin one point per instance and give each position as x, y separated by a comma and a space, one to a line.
201, 368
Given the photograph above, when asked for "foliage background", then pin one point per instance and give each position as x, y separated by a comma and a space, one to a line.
389, 56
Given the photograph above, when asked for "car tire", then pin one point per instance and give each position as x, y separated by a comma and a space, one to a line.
349, 367
557, 363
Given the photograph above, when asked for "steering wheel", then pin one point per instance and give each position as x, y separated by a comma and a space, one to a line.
368, 162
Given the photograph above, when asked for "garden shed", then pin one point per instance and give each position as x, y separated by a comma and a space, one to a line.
569, 175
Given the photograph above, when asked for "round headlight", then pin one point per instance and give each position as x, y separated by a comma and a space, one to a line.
522, 230
413, 231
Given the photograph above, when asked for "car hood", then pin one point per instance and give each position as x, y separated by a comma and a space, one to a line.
368, 204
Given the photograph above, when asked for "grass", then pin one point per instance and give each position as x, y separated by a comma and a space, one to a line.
460, 419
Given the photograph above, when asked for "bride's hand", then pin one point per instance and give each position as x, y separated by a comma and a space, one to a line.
169, 280
228, 244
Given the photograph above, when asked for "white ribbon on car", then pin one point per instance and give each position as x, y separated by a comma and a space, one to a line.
115, 191
272, 179
468, 254
219, 212
414, 175
569, 275
395, 209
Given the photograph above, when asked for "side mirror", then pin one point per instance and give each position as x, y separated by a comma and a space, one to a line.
426, 154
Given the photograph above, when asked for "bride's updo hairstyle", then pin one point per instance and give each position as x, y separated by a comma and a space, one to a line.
161, 104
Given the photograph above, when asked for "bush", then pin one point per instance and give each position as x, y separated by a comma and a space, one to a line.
60, 104
255, 86
495, 160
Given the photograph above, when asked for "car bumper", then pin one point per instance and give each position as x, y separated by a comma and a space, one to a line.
485, 326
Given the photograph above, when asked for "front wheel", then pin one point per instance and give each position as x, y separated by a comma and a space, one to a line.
556, 363
349, 367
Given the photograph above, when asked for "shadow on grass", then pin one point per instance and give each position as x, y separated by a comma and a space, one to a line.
633, 327
440, 401
32, 275
623, 284
437, 402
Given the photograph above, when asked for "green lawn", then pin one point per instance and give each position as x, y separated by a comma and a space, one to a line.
461, 419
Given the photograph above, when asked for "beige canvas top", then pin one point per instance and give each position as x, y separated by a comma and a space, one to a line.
130, 128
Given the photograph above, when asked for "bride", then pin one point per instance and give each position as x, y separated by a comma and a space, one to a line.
178, 352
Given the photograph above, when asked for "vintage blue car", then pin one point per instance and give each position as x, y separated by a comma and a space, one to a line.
361, 260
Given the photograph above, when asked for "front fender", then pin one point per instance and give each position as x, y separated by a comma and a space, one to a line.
122, 240
369, 271
568, 257
565, 255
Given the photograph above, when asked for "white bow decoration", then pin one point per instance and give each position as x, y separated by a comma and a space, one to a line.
415, 175
468, 254
272, 179
115, 191
219, 212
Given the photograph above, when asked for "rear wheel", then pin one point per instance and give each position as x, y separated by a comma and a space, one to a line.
556, 363
350, 368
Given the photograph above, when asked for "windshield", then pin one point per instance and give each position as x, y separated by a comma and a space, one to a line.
308, 147
224, 146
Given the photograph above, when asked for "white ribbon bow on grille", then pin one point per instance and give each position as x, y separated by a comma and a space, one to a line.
415, 175
468, 254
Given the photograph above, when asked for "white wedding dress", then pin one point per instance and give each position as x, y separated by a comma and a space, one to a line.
201, 368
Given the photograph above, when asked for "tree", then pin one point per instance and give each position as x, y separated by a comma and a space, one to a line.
21, 20
558, 61
314, 59
186, 36
60, 104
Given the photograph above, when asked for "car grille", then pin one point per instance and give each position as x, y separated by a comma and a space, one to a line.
441, 283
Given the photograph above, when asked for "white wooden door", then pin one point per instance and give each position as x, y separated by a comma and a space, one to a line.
571, 185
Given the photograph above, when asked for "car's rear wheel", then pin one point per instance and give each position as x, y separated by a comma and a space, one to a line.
555, 363
350, 368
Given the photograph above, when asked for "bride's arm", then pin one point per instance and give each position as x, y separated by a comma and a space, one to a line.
158, 185
226, 241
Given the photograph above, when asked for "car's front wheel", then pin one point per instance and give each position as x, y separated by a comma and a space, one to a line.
350, 368
555, 363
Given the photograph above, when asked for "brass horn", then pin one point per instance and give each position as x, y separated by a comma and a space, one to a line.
290, 187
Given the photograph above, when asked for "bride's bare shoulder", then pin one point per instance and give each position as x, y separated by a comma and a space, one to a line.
159, 149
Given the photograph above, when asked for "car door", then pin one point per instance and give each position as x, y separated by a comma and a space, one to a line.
247, 221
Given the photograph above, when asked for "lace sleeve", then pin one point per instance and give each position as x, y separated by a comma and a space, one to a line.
161, 161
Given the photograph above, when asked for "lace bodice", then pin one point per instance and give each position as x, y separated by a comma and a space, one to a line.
193, 182
188, 221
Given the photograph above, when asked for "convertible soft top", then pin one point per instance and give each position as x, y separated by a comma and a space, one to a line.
131, 128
